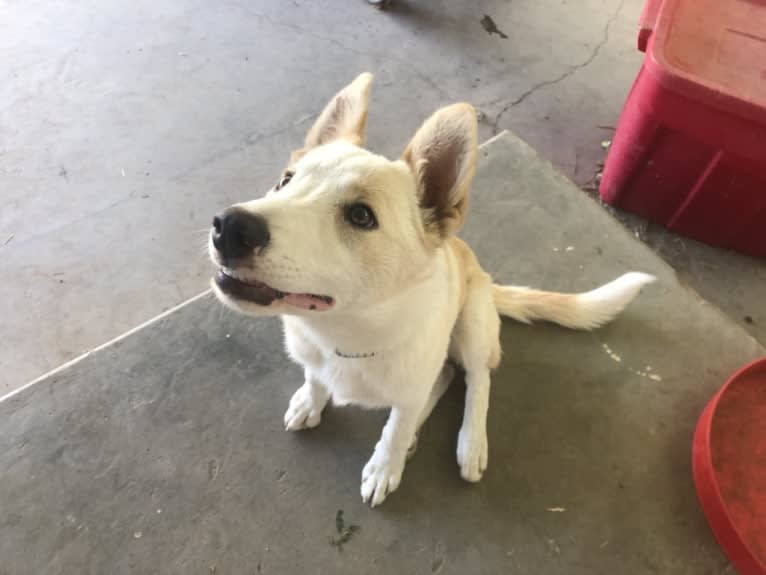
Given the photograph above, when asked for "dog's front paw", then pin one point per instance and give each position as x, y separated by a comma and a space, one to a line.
472, 453
381, 476
304, 411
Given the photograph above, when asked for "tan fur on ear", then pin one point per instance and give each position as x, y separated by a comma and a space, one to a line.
296, 155
345, 116
442, 156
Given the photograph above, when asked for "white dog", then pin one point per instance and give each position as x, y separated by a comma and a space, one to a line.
357, 254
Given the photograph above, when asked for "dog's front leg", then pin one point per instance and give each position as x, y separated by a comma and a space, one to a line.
306, 404
383, 471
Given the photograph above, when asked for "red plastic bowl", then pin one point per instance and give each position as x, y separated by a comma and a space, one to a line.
729, 463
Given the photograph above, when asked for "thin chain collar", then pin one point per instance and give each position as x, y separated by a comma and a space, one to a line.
339, 353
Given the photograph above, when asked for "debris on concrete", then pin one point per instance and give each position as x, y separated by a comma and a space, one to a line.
137, 535
491, 28
610, 353
605, 144
570, 248
556, 509
592, 184
8, 239
646, 372
213, 469
748, 319
554, 547
344, 531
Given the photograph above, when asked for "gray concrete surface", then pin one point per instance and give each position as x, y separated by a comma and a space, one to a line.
164, 452
124, 126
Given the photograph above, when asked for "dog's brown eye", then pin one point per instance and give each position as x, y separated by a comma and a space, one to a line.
361, 216
284, 180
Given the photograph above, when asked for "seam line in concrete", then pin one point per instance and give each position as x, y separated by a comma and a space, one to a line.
122, 336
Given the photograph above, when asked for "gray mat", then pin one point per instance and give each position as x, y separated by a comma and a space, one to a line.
165, 453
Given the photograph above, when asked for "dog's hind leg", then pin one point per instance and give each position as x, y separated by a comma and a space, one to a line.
476, 345
306, 404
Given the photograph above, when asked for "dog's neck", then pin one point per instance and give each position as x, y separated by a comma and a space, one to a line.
363, 334
371, 331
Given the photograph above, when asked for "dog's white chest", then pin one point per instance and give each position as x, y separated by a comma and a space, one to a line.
360, 381
373, 379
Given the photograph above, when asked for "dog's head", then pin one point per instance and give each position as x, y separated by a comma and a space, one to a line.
345, 228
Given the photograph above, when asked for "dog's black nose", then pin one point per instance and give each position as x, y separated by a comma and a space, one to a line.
236, 233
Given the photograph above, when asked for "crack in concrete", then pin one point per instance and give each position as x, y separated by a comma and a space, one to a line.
564, 75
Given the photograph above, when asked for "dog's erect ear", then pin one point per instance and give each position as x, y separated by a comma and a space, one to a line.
344, 117
442, 156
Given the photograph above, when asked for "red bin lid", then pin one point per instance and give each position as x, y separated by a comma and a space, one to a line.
710, 50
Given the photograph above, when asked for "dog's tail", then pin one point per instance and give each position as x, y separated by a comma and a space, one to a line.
587, 310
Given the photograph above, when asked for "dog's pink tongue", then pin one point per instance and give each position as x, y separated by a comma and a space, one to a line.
305, 301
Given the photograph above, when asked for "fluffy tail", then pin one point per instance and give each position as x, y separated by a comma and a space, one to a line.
578, 311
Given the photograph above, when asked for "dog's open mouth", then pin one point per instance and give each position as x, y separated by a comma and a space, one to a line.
259, 293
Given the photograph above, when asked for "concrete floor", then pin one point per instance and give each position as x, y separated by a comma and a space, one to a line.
125, 125
165, 453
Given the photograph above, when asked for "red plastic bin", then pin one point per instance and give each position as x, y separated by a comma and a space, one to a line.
689, 151
728, 452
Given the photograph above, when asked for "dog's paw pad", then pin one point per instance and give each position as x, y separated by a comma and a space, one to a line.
380, 477
472, 454
303, 412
